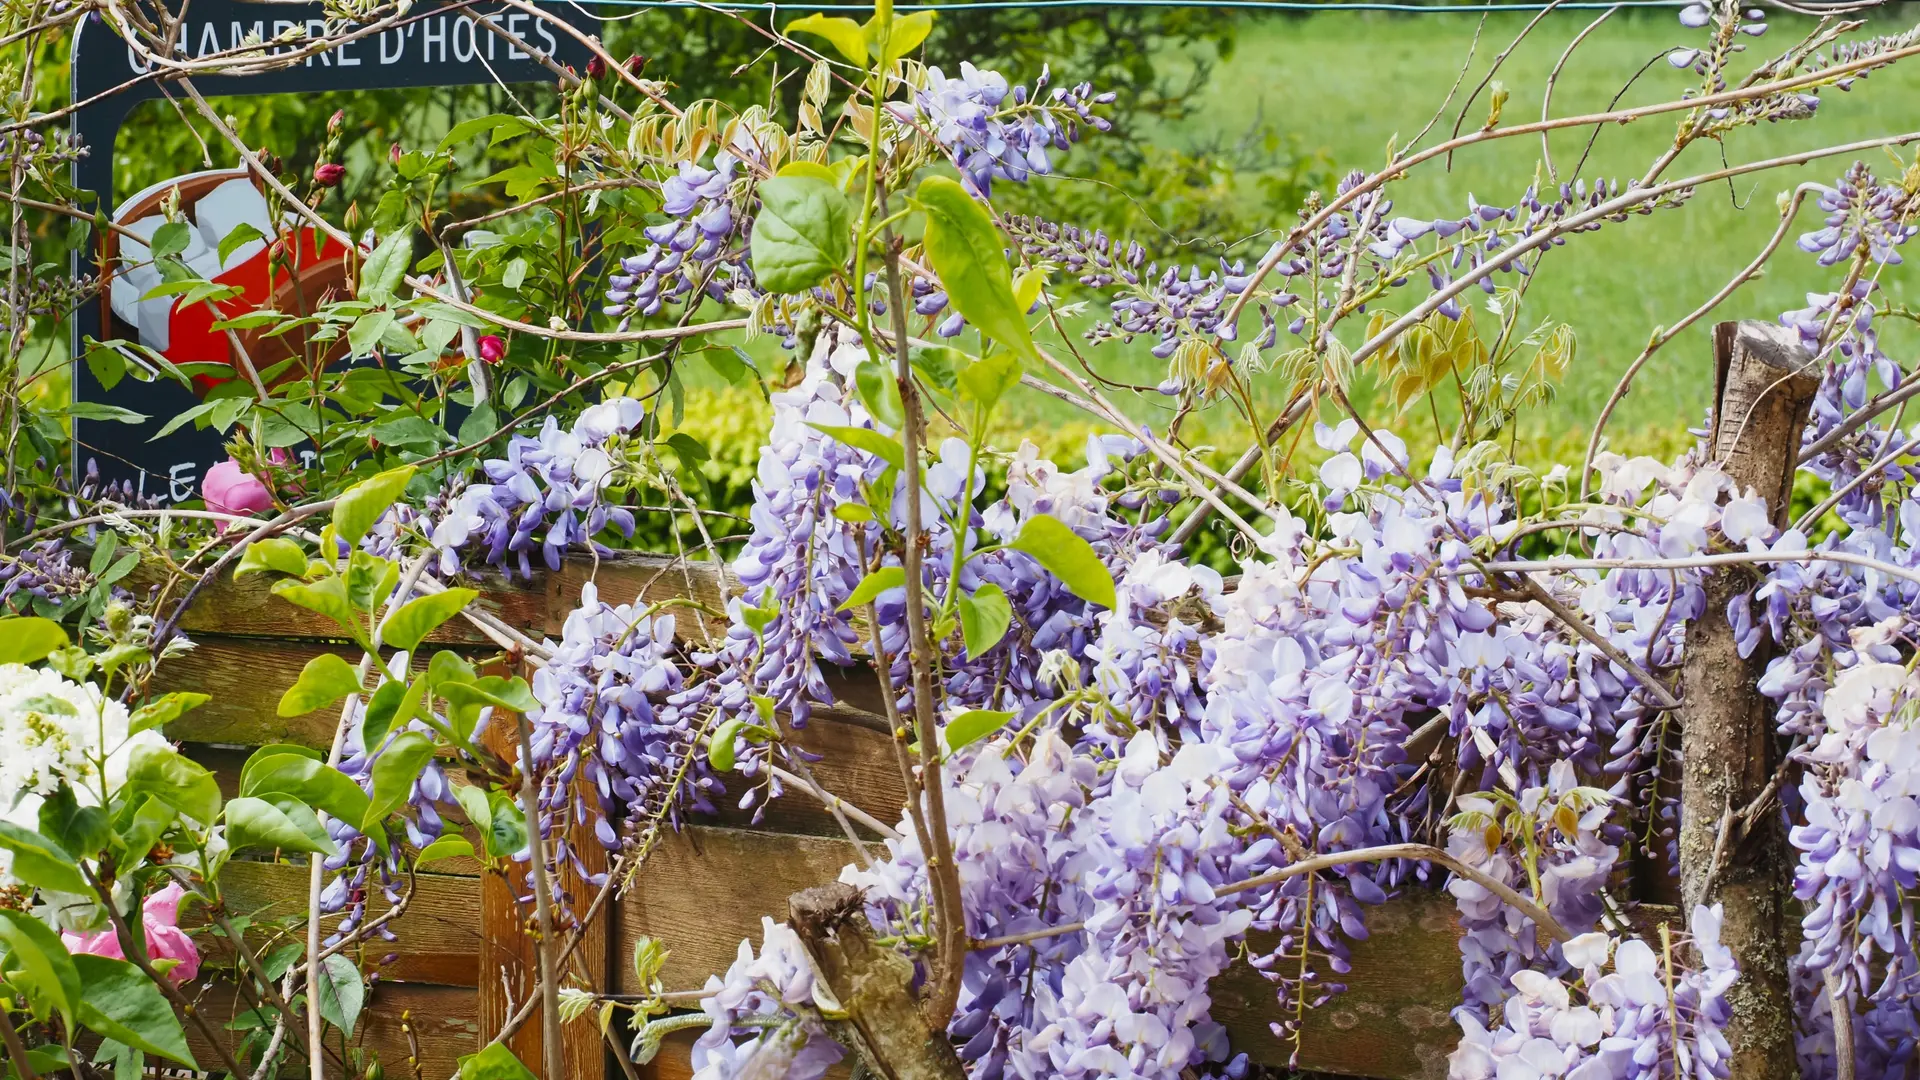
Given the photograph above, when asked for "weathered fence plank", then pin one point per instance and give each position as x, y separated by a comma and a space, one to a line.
441, 1018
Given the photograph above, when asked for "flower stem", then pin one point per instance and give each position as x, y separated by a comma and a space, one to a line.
16, 1049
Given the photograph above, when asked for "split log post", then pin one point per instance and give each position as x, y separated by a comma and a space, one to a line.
874, 984
1764, 384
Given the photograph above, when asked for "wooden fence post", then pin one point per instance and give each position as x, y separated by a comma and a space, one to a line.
1764, 384
508, 963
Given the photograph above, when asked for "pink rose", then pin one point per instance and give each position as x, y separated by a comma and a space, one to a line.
165, 939
229, 489
492, 348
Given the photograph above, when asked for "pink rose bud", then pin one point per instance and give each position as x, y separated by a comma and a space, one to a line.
229, 489
596, 67
165, 940
329, 173
492, 348
394, 153
333, 122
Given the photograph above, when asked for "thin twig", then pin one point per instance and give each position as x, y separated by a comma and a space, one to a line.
551, 1051
16, 1050
1661, 338
1383, 853
1612, 652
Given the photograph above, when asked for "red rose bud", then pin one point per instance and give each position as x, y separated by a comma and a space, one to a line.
492, 348
329, 173
636, 64
596, 67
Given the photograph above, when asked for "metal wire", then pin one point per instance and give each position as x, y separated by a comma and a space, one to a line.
1221, 5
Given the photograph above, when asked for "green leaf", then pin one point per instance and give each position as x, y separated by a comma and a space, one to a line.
446, 847
853, 513
493, 1062
985, 381
448, 667
170, 239
139, 825
802, 234
26, 640
513, 695
103, 553
514, 275
385, 268
164, 710
506, 826
847, 36
40, 862
328, 596
257, 824
272, 553
167, 775
966, 250
312, 782
326, 679
124, 1062
880, 391
341, 992
394, 772
63, 820
364, 502
1068, 558
720, 746
903, 35
272, 750
39, 965
408, 625
119, 1001
984, 618
366, 332
467, 129
391, 703
692, 451
474, 801
239, 235
973, 725
875, 583
866, 439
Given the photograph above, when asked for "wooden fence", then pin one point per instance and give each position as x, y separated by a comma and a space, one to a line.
461, 964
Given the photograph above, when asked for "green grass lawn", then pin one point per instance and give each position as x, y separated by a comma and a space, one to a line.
1346, 83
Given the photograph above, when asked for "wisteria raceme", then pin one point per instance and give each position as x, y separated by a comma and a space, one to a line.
766, 1017
1618, 1024
700, 251
360, 868
616, 710
1565, 853
545, 495
992, 131
1185, 306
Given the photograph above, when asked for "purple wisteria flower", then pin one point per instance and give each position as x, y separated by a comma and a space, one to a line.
992, 131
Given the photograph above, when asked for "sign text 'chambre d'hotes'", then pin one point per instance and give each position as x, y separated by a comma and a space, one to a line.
440, 38
473, 42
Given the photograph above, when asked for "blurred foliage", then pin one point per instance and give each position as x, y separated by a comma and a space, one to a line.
1213, 197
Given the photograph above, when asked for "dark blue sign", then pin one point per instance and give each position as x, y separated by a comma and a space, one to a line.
434, 45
